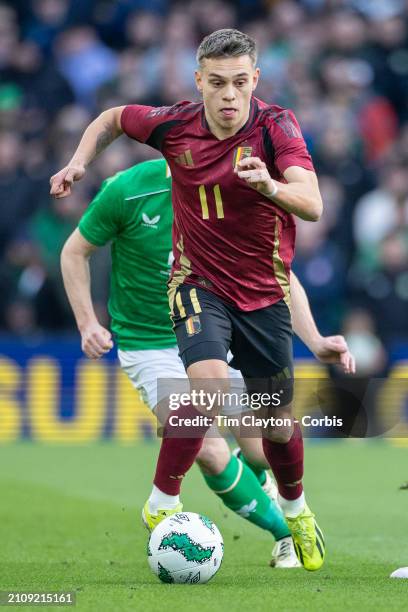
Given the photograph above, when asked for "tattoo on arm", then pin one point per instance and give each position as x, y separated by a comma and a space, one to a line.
104, 138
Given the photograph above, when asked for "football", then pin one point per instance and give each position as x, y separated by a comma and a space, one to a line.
185, 548
402, 572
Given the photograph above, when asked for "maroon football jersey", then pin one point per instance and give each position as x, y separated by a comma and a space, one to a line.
227, 237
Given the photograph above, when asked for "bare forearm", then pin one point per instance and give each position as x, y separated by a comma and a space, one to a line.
327, 349
303, 322
295, 198
300, 194
77, 282
97, 136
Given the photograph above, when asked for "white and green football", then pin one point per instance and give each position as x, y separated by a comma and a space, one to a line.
185, 548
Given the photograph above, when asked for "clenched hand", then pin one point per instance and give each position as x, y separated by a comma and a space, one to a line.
95, 341
62, 181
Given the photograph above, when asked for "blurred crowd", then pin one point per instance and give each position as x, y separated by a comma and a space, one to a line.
342, 65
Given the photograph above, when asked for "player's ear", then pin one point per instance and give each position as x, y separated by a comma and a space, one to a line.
255, 78
198, 80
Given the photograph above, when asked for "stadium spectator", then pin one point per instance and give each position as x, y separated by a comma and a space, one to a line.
382, 210
16, 189
383, 288
360, 331
85, 62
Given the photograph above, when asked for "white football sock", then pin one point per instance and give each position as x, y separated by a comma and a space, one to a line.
292, 507
161, 501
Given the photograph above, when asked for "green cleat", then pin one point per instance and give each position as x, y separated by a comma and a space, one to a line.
308, 540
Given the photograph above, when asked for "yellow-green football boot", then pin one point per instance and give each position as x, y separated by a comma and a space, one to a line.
308, 539
152, 520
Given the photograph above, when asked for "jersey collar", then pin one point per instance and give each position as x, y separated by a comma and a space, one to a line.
253, 111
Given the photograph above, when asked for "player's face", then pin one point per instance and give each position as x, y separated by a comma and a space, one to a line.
227, 85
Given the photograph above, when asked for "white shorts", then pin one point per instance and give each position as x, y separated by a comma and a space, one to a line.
145, 367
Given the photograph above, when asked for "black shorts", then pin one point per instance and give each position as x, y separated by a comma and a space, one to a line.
260, 341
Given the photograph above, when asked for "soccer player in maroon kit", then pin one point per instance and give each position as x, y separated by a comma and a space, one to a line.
240, 170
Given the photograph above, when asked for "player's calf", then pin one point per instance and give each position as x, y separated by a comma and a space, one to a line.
239, 488
214, 454
183, 436
286, 460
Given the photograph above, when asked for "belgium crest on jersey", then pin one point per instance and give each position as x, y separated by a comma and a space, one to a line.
241, 153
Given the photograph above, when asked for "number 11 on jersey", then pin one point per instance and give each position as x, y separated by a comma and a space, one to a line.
204, 203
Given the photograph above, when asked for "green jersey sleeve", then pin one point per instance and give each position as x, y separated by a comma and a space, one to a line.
101, 221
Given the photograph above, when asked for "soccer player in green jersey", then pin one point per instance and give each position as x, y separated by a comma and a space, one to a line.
133, 211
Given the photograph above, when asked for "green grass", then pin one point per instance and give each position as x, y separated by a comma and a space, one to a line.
69, 520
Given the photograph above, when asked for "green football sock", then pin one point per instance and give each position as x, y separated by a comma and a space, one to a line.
241, 492
259, 472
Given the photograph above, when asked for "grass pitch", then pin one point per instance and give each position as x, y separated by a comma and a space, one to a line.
69, 520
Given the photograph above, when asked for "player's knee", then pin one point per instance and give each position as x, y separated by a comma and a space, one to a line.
281, 428
213, 456
281, 435
209, 394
